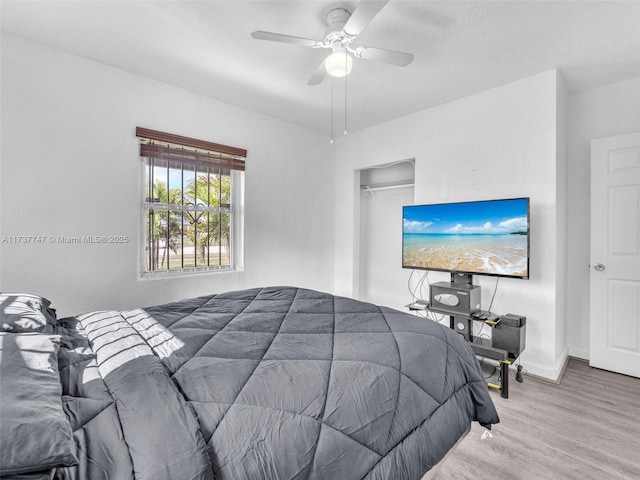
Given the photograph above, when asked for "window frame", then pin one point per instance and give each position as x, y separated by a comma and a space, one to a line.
185, 152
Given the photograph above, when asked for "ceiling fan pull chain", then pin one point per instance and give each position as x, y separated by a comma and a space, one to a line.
345, 94
331, 112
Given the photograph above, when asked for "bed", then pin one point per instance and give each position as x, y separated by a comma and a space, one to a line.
274, 383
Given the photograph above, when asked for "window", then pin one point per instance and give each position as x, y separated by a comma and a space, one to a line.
192, 219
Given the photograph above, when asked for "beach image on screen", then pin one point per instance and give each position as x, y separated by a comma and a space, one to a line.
477, 237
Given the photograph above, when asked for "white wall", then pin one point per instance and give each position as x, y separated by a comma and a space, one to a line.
500, 143
603, 112
70, 167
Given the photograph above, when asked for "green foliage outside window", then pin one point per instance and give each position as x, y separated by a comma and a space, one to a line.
188, 225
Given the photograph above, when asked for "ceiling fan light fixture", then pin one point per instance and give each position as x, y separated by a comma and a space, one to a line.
338, 64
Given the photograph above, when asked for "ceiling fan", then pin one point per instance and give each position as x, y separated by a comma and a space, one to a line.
343, 29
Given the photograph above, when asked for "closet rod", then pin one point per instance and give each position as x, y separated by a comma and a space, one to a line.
385, 187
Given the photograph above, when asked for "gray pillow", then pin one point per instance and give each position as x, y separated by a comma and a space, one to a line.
35, 434
24, 312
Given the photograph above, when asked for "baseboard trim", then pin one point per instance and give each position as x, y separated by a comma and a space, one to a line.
563, 365
579, 353
554, 374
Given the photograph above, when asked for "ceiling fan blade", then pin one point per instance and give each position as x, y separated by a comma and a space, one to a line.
362, 15
318, 75
278, 37
386, 56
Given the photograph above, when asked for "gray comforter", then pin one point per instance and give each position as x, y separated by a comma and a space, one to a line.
275, 383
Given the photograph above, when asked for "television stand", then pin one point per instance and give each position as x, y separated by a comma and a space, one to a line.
460, 300
482, 347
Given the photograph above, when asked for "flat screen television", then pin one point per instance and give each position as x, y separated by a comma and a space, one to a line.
488, 237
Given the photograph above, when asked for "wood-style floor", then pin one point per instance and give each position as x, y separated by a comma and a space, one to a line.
586, 427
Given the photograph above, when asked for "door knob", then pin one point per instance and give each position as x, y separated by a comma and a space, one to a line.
599, 267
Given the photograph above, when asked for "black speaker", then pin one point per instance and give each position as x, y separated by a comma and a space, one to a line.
510, 334
454, 299
463, 326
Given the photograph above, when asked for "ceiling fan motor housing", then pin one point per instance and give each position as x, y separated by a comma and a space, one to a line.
336, 20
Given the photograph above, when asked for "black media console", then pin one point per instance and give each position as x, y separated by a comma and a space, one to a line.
461, 301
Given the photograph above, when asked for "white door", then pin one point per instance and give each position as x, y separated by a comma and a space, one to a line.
615, 254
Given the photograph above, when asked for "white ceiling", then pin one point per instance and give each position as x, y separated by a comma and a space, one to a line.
460, 48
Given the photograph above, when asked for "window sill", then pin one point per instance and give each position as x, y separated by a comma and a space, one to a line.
186, 273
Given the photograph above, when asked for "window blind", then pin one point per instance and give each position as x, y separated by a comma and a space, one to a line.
170, 147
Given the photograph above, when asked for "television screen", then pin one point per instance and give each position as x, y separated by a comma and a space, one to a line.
489, 237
